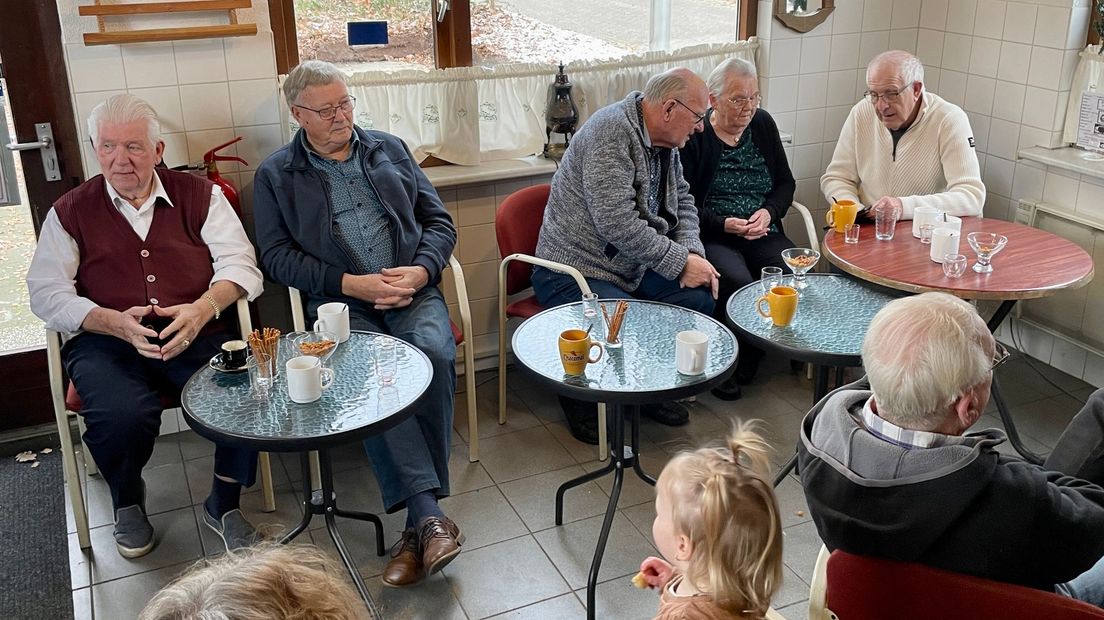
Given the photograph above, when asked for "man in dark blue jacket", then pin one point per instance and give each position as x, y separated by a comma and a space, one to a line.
344, 214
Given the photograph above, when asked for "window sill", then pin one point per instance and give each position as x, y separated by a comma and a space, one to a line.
1066, 158
452, 175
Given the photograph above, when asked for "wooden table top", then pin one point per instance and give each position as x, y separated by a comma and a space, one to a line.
1035, 263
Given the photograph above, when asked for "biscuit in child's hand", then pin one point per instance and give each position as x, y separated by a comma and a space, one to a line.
639, 581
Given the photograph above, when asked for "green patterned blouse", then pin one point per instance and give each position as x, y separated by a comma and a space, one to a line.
742, 181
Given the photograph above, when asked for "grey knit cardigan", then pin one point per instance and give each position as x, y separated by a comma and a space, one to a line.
597, 218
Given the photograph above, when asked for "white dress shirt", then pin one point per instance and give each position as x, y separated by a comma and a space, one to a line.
51, 277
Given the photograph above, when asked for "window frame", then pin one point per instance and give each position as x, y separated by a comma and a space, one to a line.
451, 37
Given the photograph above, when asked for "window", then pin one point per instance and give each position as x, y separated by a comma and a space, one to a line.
494, 32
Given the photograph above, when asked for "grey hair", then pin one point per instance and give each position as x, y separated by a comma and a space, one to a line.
123, 109
909, 67
671, 84
310, 73
730, 68
923, 352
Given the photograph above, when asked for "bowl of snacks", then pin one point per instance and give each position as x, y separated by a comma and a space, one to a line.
320, 344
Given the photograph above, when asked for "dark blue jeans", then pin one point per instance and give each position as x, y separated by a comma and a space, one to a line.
120, 394
413, 456
555, 289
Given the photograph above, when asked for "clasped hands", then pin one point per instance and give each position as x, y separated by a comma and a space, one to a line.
389, 289
754, 227
187, 321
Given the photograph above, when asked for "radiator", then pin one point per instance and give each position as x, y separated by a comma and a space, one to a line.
1076, 315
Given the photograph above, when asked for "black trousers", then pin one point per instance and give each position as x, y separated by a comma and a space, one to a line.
121, 392
740, 262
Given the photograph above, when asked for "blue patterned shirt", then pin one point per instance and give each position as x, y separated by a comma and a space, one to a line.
360, 221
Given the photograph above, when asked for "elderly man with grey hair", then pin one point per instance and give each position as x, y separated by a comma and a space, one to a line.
622, 214
904, 146
743, 187
890, 469
136, 266
345, 214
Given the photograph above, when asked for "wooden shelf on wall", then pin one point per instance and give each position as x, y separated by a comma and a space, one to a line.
117, 37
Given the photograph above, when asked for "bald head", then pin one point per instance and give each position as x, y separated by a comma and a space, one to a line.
675, 103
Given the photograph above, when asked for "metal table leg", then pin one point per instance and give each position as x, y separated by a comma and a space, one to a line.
820, 389
1005, 414
324, 502
621, 457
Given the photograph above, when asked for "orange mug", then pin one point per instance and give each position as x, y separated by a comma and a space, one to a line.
842, 213
575, 346
781, 303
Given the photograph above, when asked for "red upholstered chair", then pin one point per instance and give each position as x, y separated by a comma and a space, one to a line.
68, 403
863, 588
517, 227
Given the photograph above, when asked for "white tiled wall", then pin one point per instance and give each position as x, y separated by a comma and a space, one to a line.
1007, 63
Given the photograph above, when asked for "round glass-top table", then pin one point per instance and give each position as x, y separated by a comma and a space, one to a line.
640, 371
833, 313
226, 409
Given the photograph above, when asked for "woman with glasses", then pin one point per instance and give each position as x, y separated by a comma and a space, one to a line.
742, 185
905, 147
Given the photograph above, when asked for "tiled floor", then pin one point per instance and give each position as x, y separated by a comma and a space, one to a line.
516, 563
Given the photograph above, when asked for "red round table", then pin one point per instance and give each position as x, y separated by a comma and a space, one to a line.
1034, 264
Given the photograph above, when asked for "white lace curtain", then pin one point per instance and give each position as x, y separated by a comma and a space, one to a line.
1088, 77
472, 114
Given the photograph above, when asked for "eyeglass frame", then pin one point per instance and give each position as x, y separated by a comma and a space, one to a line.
742, 102
888, 97
698, 118
351, 100
1001, 354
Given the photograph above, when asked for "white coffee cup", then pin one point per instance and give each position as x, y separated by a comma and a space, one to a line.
691, 349
952, 222
944, 241
306, 378
925, 215
334, 318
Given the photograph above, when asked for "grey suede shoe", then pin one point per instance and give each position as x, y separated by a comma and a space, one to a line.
133, 532
233, 528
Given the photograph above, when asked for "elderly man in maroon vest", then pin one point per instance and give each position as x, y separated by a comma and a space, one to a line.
137, 267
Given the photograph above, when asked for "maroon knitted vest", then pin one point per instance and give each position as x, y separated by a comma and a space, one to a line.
117, 269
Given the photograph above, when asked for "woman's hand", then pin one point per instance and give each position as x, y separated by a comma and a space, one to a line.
657, 572
758, 225
735, 226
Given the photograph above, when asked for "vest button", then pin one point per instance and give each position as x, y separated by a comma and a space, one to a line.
153, 300
144, 253
151, 278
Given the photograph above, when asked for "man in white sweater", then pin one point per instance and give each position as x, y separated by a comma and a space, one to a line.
904, 146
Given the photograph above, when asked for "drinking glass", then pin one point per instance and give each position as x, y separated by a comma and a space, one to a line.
926, 233
986, 245
387, 361
769, 278
851, 233
261, 375
954, 265
592, 317
885, 221
800, 260
321, 344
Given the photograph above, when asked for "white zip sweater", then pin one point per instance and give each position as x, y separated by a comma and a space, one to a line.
935, 163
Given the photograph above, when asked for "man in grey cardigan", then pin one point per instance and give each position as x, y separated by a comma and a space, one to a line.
622, 214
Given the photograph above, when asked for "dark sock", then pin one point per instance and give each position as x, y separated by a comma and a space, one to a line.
421, 505
223, 498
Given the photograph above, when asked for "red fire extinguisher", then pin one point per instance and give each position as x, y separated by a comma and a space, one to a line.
210, 159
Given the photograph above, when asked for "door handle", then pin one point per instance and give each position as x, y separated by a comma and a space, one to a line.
442, 8
45, 145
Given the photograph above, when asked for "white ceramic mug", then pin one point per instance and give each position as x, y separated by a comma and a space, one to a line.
925, 215
691, 349
952, 222
944, 241
334, 318
306, 378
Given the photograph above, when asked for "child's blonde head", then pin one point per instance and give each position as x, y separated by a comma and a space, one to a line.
722, 500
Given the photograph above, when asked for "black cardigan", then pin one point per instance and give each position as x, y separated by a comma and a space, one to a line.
702, 153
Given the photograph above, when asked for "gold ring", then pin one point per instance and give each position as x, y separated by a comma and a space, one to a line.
186, 343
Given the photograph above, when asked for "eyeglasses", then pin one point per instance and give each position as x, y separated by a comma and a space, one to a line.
1000, 355
328, 112
698, 118
889, 96
742, 102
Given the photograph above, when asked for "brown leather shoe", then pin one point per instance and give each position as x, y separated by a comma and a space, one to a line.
405, 567
441, 540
